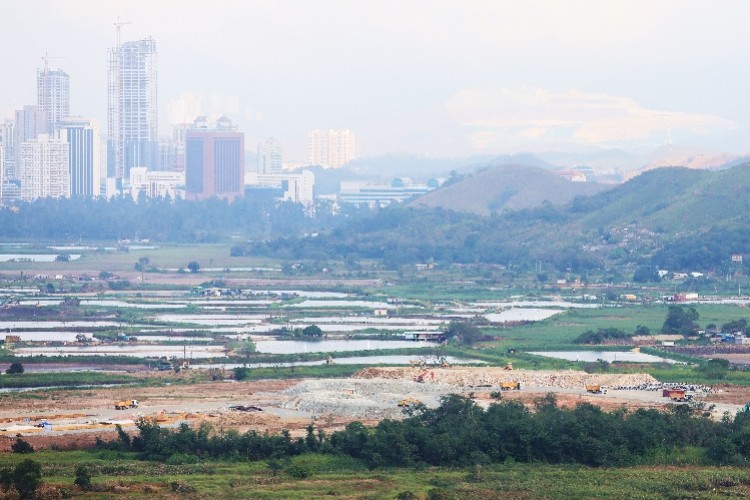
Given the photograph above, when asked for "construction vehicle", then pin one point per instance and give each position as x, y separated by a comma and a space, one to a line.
125, 404
677, 395
423, 375
404, 403
510, 386
596, 389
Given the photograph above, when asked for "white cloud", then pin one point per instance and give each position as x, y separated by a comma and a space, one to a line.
504, 118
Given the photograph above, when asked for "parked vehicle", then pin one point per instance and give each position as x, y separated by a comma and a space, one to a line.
596, 389
125, 404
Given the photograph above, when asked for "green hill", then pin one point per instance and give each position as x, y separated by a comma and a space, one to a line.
501, 188
682, 219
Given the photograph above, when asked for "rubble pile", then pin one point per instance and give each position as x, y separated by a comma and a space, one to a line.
477, 377
362, 399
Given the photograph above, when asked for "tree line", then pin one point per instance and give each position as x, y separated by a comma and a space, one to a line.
460, 433
166, 220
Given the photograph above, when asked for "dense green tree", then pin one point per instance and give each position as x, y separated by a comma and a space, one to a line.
27, 476
15, 367
463, 332
680, 320
646, 274
312, 331
83, 478
193, 266
21, 446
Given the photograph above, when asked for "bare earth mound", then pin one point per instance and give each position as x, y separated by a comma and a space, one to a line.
473, 377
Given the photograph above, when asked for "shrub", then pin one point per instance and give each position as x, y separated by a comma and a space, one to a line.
298, 472
83, 478
26, 477
21, 446
15, 368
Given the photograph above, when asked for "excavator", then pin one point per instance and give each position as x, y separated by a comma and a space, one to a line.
423, 375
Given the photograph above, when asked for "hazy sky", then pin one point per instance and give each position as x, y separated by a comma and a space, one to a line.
443, 78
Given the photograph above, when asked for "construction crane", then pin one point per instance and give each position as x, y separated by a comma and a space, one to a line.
46, 57
119, 24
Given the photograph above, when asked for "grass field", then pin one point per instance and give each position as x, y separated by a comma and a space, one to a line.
559, 331
120, 475
163, 256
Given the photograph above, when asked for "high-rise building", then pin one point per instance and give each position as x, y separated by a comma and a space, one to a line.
270, 157
8, 143
214, 161
82, 136
132, 108
30, 122
331, 148
44, 168
2, 170
53, 95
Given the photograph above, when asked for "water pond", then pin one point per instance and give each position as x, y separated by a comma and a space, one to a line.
301, 346
609, 356
354, 360
521, 314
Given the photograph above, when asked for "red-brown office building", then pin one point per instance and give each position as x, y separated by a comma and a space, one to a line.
214, 162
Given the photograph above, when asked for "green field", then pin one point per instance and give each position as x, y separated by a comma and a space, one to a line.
121, 475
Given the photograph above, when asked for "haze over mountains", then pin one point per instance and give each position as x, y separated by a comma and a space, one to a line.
500, 188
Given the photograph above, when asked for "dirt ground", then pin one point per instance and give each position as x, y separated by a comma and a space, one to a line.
78, 417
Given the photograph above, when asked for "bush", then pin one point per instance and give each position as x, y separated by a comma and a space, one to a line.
21, 446
298, 472
83, 478
15, 368
27, 476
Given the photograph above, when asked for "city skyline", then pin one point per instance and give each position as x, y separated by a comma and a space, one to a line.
441, 79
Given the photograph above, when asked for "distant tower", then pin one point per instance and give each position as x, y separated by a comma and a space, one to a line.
30, 122
44, 168
82, 137
270, 157
8, 143
132, 107
331, 148
214, 161
53, 94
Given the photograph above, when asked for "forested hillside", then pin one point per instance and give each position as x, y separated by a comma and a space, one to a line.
680, 218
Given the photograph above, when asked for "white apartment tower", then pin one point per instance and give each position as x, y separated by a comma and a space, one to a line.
82, 136
132, 108
270, 157
331, 148
30, 122
53, 95
8, 142
44, 168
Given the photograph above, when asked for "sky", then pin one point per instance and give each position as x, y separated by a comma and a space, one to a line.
440, 78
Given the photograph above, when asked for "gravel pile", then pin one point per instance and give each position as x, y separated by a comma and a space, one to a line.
474, 377
364, 399
374, 393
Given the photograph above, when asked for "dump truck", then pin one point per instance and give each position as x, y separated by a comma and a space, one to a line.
125, 404
596, 389
510, 386
677, 395
408, 402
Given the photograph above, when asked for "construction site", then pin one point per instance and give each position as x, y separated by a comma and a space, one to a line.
75, 418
